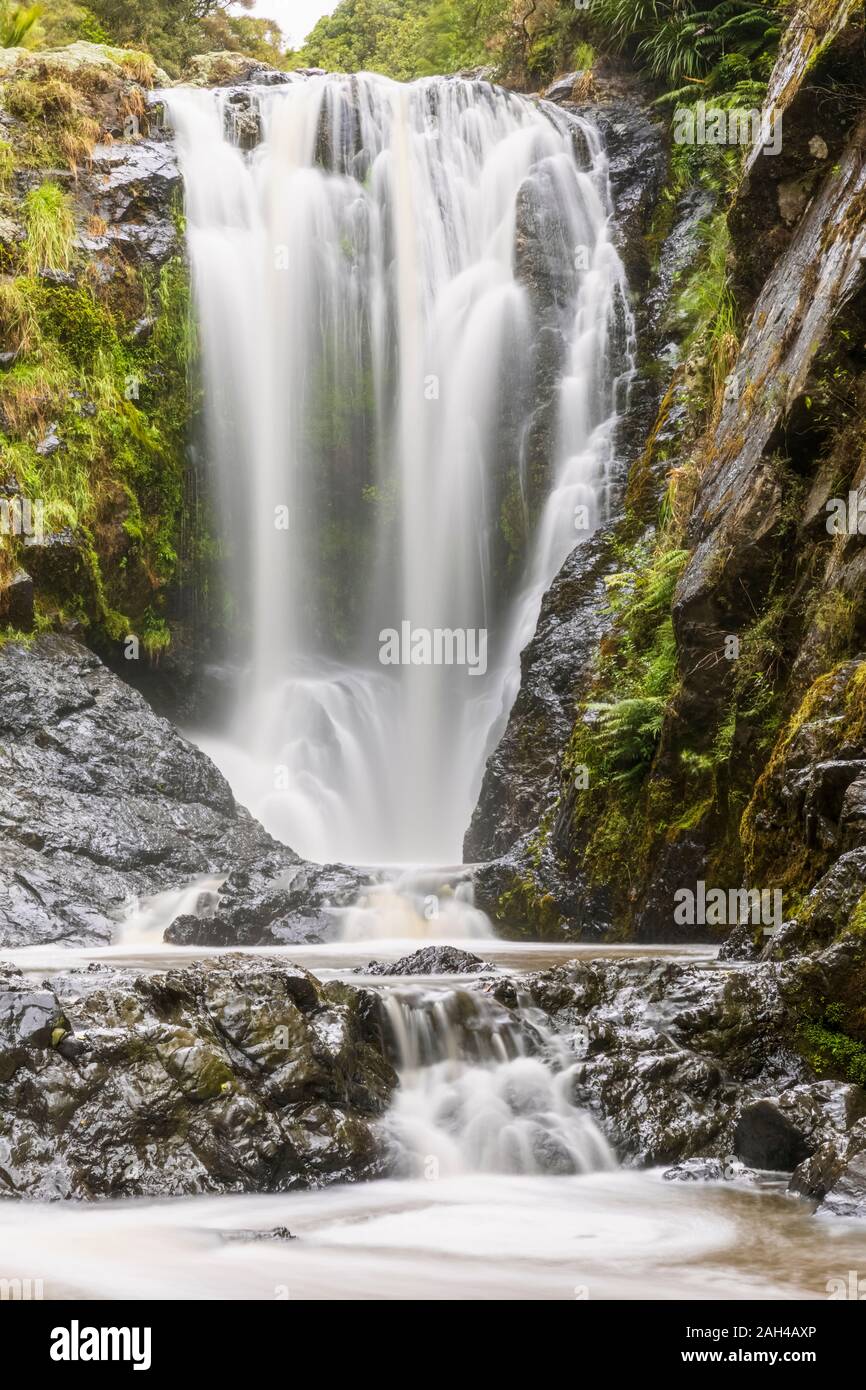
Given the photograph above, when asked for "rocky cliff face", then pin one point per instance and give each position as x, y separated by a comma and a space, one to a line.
96, 396
697, 702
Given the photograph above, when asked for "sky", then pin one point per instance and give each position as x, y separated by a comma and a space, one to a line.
295, 17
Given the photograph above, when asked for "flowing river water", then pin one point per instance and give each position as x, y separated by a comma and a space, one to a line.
502, 1188
372, 369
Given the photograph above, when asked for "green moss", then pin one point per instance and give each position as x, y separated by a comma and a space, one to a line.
121, 412
57, 125
831, 1052
7, 164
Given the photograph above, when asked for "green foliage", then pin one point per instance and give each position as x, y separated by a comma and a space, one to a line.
173, 30
17, 24
831, 1052
707, 302
405, 39
50, 228
682, 42
617, 737
121, 413
7, 164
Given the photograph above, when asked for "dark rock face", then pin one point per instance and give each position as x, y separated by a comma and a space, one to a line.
669, 1052
100, 800
430, 960
637, 157
766, 1138
226, 1077
134, 188
522, 774
16, 602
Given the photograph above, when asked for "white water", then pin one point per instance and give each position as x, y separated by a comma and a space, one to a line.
472, 1101
369, 351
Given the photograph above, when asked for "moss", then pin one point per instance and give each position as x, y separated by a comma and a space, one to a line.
774, 849
121, 413
57, 126
831, 1052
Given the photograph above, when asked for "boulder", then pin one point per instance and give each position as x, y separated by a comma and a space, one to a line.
228, 1076
429, 960
101, 801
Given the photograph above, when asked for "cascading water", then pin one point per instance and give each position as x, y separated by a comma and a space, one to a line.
471, 1099
413, 329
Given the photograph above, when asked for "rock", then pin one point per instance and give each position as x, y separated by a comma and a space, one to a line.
637, 167
766, 1138
101, 801
143, 330
847, 1196
278, 1233
521, 779
63, 279
275, 901
833, 1174
712, 1170
667, 1055
132, 186
16, 602
50, 443
429, 960
563, 88
229, 1076
226, 68
55, 561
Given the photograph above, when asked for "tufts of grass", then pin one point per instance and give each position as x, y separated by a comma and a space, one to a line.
50, 228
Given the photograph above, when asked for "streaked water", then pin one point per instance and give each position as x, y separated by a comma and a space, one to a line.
376, 340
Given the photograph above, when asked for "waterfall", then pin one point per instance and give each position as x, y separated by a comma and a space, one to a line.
413, 334
471, 1098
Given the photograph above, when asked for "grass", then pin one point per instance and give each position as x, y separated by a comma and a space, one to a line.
708, 302
50, 226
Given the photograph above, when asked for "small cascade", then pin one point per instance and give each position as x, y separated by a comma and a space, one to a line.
483, 1091
417, 905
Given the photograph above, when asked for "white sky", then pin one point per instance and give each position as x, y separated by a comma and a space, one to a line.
295, 17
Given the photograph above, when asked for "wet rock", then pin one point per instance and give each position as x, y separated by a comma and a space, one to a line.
54, 561
229, 1076
668, 1054
522, 774
847, 1196
713, 1170
133, 186
16, 602
637, 158
101, 801
766, 1138
275, 901
563, 88
143, 330
429, 960
834, 1174
50, 443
